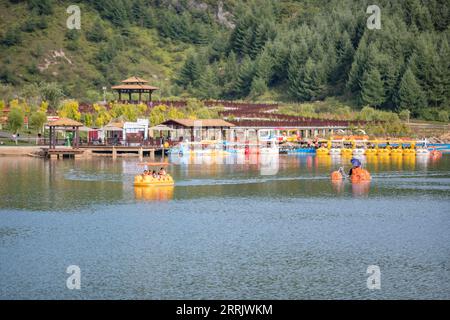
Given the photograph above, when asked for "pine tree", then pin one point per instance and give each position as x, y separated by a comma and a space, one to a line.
97, 32
229, 75
117, 11
372, 91
258, 88
296, 64
421, 63
264, 66
244, 78
41, 7
241, 35
439, 89
190, 72
411, 96
364, 60
305, 84
344, 52
207, 84
391, 71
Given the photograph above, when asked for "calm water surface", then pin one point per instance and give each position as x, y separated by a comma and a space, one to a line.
231, 228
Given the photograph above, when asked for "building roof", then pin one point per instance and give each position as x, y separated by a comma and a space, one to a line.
135, 86
111, 128
190, 123
65, 122
115, 124
134, 80
160, 127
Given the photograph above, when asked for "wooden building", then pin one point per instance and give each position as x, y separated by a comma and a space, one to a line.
196, 130
134, 85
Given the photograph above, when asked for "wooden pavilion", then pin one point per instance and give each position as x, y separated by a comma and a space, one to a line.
202, 129
64, 124
134, 85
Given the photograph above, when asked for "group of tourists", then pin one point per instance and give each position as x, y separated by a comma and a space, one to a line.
154, 174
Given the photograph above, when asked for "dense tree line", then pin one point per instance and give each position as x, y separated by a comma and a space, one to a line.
405, 65
298, 51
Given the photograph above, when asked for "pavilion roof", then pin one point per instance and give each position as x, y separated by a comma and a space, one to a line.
135, 86
134, 80
204, 122
65, 122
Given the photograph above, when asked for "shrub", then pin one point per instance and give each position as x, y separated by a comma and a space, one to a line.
37, 120
12, 37
15, 119
69, 109
443, 116
405, 115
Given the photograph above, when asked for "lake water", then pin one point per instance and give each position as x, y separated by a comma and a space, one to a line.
231, 228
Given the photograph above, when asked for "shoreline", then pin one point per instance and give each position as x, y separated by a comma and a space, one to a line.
34, 151
18, 150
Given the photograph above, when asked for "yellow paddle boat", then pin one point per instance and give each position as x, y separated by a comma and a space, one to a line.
148, 180
409, 152
322, 151
371, 152
397, 151
383, 152
346, 152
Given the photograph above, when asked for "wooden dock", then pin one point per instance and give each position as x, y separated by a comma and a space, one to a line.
61, 153
105, 151
122, 151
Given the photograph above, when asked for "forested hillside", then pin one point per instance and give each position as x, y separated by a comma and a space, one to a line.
292, 51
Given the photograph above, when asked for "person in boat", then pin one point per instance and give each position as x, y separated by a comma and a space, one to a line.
154, 175
355, 164
145, 173
162, 172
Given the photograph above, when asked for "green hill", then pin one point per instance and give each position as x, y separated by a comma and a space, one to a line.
254, 50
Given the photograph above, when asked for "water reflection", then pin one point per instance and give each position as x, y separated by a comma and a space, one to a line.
292, 235
338, 186
361, 189
154, 193
29, 183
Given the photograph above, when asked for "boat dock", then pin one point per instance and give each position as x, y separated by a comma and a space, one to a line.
123, 151
105, 151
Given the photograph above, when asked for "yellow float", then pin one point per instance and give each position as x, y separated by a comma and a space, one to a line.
148, 181
142, 180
